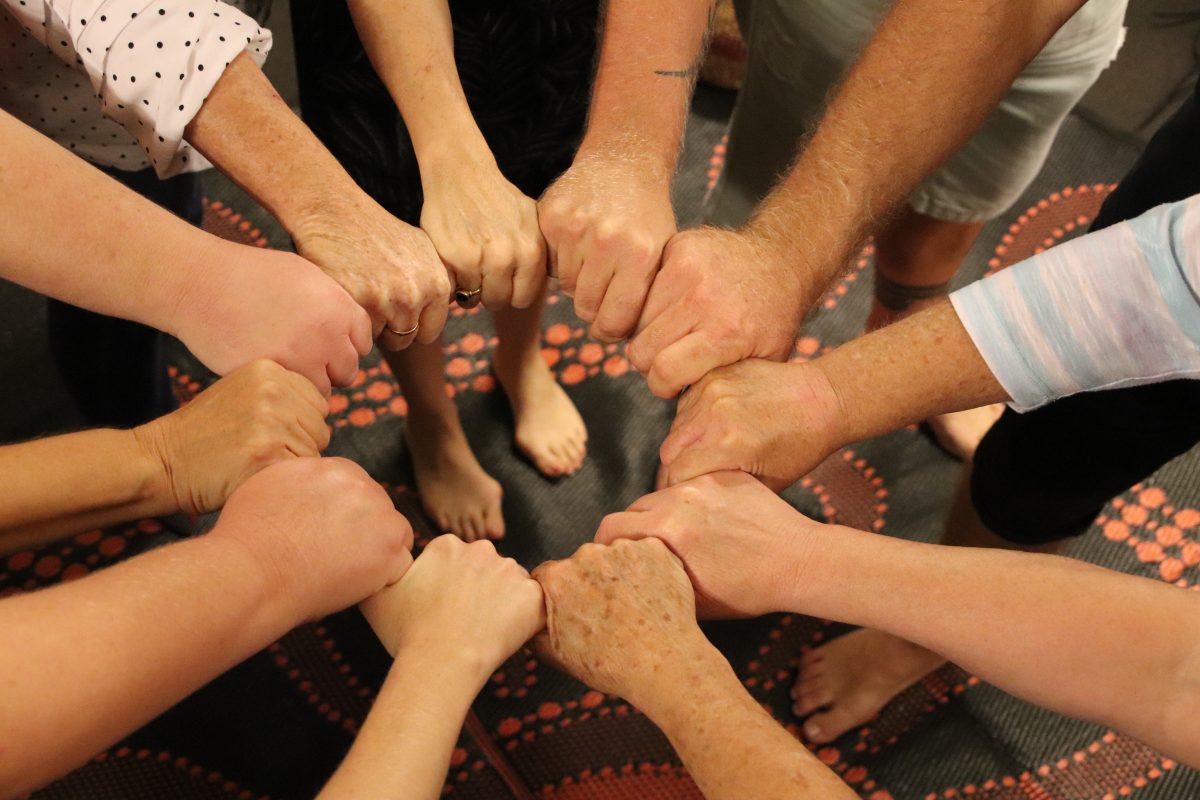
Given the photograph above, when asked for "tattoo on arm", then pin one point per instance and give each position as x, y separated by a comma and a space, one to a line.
690, 73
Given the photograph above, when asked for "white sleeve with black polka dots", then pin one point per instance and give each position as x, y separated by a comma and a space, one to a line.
151, 64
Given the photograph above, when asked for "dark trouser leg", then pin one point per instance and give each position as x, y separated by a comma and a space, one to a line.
116, 370
1046, 474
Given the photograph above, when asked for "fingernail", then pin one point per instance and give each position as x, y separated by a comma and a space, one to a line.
812, 730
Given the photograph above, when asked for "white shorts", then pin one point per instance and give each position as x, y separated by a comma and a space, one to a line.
798, 51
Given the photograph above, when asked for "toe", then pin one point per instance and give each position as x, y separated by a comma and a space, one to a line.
824, 728
811, 699
493, 525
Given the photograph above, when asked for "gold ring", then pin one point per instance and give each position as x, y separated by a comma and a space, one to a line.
467, 299
408, 332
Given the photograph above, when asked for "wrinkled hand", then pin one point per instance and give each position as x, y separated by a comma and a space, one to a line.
463, 600
485, 230
741, 544
270, 304
255, 416
720, 297
321, 528
605, 222
774, 421
616, 616
390, 269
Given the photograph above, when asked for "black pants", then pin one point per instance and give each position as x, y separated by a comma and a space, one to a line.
1045, 475
116, 370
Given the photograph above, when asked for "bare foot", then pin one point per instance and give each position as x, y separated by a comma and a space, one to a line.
550, 431
960, 432
460, 497
845, 683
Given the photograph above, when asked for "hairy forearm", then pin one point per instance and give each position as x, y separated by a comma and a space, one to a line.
927, 80
411, 45
919, 367
247, 130
1085, 641
405, 744
66, 484
730, 746
103, 644
649, 56
110, 250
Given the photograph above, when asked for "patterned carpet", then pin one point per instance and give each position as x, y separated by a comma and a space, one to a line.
277, 725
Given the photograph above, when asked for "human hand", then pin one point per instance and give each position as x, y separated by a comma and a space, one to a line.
325, 534
253, 303
485, 230
605, 222
721, 297
462, 600
390, 269
741, 544
774, 421
255, 416
618, 617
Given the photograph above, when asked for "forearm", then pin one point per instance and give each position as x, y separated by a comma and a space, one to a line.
411, 45
113, 252
85, 645
730, 746
919, 367
247, 130
1078, 639
927, 80
649, 56
404, 747
65, 484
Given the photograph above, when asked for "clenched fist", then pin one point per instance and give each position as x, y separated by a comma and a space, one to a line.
391, 269
605, 222
252, 303
721, 297
324, 532
254, 417
774, 421
616, 615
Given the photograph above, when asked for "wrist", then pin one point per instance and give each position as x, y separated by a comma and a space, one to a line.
147, 453
651, 160
699, 664
455, 158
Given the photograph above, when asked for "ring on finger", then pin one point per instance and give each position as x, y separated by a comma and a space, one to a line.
408, 332
468, 298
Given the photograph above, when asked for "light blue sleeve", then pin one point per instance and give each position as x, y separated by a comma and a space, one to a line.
1115, 308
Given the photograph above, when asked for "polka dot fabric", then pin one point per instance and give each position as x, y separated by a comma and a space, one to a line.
91, 74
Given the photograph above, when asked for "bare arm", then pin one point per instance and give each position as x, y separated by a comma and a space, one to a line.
623, 620
731, 747
85, 645
458, 613
1081, 640
607, 219
71, 483
298, 541
914, 97
247, 130
189, 460
926, 81
1087, 642
484, 228
116, 253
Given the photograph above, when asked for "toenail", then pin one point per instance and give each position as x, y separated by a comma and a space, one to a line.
812, 730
